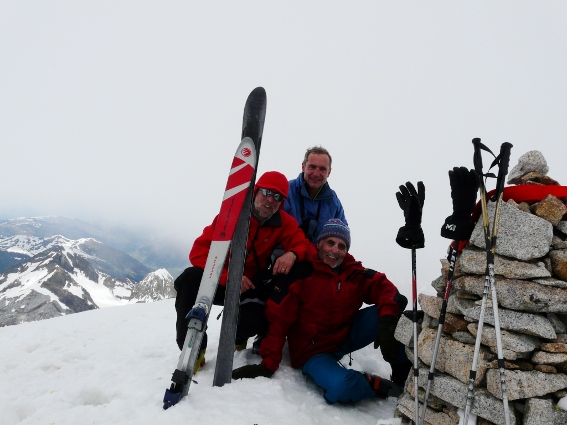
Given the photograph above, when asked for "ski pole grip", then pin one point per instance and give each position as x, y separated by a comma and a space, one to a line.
504, 163
477, 159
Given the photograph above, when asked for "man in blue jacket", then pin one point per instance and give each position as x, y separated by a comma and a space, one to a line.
311, 201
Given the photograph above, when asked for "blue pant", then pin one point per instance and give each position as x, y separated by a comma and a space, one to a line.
348, 385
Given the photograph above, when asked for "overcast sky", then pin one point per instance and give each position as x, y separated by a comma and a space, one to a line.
130, 111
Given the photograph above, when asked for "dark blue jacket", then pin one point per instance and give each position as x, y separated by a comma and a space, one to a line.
312, 214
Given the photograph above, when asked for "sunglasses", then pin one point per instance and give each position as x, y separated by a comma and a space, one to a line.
267, 193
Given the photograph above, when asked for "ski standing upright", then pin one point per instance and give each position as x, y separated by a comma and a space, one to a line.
236, 199
252, 127
503, 160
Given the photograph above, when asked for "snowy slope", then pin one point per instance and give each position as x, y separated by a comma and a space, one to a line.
112, 366
59, 276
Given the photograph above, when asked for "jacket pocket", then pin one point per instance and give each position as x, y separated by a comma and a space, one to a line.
302, 341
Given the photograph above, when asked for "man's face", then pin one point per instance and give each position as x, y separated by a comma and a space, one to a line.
265, 206
316, 170
332, 251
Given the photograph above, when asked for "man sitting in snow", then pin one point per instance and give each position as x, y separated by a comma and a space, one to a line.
269, 227
317, 307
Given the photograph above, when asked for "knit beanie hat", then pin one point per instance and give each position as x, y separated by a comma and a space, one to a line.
335, 228
273, 181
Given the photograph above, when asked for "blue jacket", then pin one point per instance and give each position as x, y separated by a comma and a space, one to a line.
312, 214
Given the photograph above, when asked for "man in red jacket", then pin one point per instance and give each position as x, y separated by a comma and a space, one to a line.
317, 307
269, 227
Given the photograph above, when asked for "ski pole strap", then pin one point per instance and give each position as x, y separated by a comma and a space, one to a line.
477, 159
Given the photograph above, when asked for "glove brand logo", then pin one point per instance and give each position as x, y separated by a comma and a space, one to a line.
246, 152
451, 227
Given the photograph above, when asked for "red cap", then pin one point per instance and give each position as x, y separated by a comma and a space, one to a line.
274, 181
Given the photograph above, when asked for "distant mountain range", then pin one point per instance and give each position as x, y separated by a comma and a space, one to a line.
44, 275
155, 253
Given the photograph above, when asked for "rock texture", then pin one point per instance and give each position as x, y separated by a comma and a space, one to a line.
155, 286
521, 235
530, 270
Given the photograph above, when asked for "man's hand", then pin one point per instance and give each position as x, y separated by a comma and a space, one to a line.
389, 345
252, 371
284, 263
246, 284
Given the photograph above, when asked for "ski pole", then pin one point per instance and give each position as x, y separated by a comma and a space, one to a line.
490, 242
472, 374
502, 172
410, 236
452, 257
458, 227
414, 319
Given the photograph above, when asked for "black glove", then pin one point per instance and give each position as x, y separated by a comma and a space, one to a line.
464, 187
389, 345
252, 371
411, 202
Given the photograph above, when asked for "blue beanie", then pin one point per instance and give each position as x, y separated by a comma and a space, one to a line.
335, 228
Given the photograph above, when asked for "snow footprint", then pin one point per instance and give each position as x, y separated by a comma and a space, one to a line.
93, 397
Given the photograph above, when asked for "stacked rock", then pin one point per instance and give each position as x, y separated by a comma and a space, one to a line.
531, 284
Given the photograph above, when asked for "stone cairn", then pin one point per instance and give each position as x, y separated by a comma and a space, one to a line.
531, 284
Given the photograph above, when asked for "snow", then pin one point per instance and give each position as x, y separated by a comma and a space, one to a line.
112, 366
18, 250
121, 292
100, 294
162, 273
29, 279
74, 289
35, 273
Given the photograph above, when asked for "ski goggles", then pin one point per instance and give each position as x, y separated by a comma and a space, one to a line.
267, 193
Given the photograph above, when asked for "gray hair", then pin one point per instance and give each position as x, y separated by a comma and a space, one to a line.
319, 150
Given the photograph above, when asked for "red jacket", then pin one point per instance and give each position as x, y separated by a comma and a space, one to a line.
318, 311
280, 229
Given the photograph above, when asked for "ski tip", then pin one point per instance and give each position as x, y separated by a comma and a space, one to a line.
258, 92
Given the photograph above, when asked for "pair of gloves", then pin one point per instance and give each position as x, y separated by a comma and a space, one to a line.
458, 226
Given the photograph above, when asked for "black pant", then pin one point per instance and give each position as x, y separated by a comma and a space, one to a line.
251, 317
251, 321
187, 287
